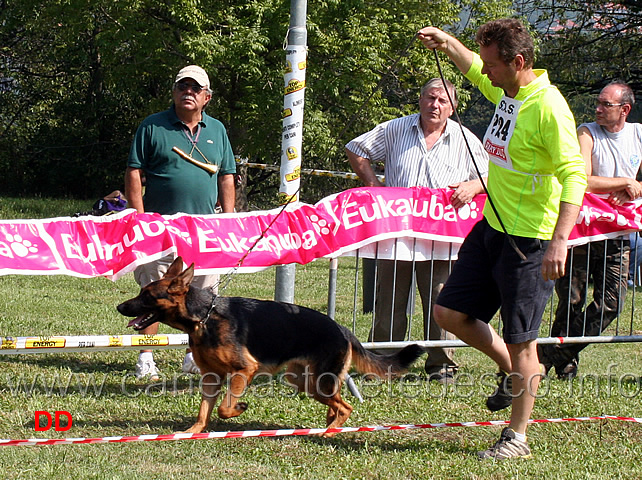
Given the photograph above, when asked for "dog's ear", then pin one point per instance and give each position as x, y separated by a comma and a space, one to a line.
182, 281
175, 268
188, 275
180, 284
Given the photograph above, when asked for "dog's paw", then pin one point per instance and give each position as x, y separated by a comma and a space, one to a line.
231, 412
196, 428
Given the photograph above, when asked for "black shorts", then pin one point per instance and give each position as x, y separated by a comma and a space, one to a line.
490, 275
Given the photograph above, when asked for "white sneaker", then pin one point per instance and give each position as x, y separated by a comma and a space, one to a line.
507, 447
189, 365
147, 369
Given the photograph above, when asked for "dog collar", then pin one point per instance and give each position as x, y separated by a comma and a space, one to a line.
211, 309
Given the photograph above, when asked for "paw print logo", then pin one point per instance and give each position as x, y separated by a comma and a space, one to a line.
621, 220
183, 235
320, 225
468, 211
19, 246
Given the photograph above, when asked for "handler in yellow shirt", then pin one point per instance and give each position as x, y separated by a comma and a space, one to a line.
536, 181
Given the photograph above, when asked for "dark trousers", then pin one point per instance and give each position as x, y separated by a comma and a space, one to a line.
606, 264
394, 282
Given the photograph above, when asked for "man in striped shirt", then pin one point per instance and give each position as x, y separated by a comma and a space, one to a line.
425, 149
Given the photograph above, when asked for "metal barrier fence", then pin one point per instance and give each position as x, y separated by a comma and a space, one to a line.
599, 312
623, 330
605, 316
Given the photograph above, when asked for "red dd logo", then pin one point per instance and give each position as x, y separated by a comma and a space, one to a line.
57, 426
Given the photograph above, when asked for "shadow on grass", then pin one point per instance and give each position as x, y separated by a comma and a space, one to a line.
73, 364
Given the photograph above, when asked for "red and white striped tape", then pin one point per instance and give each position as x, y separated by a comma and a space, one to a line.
623, 419
287, 432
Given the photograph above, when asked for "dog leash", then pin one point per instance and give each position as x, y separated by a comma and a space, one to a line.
211, 309
221, 285
225, 280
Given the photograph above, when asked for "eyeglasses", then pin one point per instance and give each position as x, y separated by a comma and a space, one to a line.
183, 86
599, 103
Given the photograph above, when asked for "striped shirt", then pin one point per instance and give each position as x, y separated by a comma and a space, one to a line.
401, 146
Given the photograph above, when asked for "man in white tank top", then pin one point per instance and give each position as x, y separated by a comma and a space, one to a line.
612, 150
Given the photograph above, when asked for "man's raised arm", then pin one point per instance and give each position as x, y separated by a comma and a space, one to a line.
434, 38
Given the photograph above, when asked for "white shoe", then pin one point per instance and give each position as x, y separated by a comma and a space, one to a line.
189, 365
147, 369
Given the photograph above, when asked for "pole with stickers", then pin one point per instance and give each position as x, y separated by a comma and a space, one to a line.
292, 134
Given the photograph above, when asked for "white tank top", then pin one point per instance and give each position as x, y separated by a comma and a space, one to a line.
616, 154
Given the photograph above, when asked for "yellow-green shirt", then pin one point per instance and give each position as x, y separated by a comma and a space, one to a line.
547, 164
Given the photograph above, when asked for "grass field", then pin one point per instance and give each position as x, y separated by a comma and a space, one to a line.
99, 391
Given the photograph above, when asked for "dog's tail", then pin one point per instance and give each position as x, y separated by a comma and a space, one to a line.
384, 366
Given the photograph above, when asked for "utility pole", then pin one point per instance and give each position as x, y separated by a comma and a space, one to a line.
292, 134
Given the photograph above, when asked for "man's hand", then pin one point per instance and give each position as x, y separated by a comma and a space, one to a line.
631, 191
464, 193
634, 189
618, 198
554, 262
433, 38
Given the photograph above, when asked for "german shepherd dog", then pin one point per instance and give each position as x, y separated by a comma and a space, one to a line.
233, 338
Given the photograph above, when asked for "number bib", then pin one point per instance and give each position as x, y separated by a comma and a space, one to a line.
501, 130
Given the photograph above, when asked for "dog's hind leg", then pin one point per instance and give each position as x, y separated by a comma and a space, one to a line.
210, 390
326, 389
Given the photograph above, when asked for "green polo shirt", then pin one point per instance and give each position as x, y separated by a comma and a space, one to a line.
544, 148
173, 184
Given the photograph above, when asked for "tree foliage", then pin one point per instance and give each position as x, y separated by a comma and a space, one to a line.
78, 76
586, 44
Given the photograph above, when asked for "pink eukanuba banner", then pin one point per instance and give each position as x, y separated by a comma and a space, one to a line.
418, 221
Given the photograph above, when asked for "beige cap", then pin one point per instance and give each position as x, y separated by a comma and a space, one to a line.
195, 72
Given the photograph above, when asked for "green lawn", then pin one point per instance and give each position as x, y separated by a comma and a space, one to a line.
104, 400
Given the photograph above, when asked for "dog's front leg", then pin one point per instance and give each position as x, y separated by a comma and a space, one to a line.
210, 390
238, 383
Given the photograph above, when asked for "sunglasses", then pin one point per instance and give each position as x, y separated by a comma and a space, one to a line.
195, 87
599, 103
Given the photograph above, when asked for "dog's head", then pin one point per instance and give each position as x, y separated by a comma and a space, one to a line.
161, 301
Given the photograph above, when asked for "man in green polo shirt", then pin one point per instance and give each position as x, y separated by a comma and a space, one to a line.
174, 184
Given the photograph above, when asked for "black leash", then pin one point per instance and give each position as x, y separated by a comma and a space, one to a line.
226, 278
511, 241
